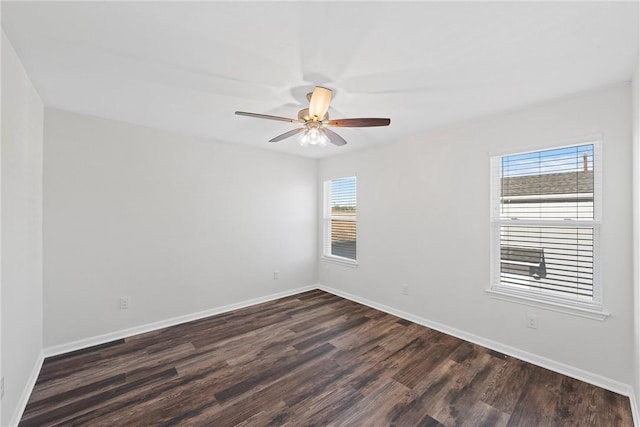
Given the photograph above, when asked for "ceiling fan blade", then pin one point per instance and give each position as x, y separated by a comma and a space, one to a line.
286, 135
358, 123
334, 138
319, 103
267, 116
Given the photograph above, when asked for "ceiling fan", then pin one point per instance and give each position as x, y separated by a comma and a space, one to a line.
315, 121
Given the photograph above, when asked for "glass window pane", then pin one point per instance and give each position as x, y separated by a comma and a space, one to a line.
548, 185
554, 260
343, 238
343, 197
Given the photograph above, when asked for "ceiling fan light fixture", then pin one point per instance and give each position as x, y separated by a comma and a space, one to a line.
313, 136
319, 103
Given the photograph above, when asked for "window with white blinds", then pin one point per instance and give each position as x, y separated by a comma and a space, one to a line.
546, 222
340, 210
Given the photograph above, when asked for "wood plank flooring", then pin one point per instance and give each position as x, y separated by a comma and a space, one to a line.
312, 359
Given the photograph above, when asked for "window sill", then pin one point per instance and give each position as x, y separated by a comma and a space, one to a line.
339, 260
548, 304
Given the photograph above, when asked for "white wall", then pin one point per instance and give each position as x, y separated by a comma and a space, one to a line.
177, 223
415, 227
22, 121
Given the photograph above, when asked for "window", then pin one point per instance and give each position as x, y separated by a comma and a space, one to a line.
340, 208
545, 225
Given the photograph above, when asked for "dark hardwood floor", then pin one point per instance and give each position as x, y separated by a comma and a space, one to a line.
309, 359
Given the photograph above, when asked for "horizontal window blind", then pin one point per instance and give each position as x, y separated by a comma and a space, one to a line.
548, 185
343, 197
546, 223
340, 218
556, 259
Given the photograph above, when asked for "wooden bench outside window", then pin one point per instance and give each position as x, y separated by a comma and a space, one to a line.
524, 261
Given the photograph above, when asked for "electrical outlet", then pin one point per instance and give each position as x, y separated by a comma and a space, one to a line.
276, 275
2, 388
405, 289
125, 302
532, 321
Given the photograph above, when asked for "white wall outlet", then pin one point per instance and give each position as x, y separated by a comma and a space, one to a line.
532, 321
276, 275
125, 302
405, 289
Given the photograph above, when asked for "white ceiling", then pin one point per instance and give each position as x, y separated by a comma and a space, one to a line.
187, 66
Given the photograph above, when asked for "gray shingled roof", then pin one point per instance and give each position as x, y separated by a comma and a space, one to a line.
552, 183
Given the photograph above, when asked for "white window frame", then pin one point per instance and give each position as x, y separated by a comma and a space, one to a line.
326, 226
592, 309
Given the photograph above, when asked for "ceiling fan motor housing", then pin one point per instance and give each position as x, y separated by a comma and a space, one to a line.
304, 115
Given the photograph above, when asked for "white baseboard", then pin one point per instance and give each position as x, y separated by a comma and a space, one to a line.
26, 392
124, 333
570, 371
